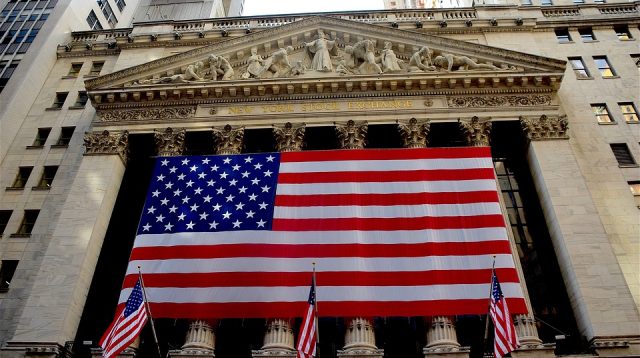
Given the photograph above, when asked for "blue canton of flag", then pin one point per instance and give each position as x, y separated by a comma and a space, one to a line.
211, 193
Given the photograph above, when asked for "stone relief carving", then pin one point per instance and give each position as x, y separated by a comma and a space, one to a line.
228, 140
320, 51
545, 127
169, 142
219, 67
101, 143
421, 60
255, 67
390, 63
352, 135
362, 55
476, 131
414, 134
192, 73
499, 101
146, 114
289, 138
450, 62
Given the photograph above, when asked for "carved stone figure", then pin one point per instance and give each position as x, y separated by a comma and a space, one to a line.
255, 67
219, 66
169, 142
319, 51
364, 57
421, 60
414, 134
343, 69
352, 135
449, 61
388, 59
298, 69
228, 140
192, 73
278, 64
289, 138
544, 128
476, 131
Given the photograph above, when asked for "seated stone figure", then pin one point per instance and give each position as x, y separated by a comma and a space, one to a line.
448, 61
219, 65
278, 64
421, 60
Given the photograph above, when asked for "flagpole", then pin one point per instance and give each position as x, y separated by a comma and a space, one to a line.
146, 305
486, 328
315, 307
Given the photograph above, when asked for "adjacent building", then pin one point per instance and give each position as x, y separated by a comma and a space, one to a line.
551, 88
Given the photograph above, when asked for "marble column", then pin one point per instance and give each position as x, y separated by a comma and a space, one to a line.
61, 284
359, 338
580, 240
278, 337
441, 334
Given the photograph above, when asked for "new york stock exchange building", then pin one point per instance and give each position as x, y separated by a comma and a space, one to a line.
555, 115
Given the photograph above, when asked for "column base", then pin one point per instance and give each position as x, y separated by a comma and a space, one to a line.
535, 351
127, 353
191, 353
262, 353
31, 349
361, 353
620, 346
446, 352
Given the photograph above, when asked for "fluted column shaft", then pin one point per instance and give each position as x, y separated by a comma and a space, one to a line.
200, 336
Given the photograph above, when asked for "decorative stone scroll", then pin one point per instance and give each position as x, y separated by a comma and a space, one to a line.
352, 135
360, 340
289, 138
545, 128
476, 131
414, 134
499, 101
169, 142
105, 143
228, 140
146, 114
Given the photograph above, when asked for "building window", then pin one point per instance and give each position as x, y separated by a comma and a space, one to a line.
601, 112
46, 179
58, 102
622, 31
546, 2
5, 215
635, 187
108, 12
604, 67
65, 136
7, 269
22, 177
578, 1
92, 20
28, 222
636, 59
96, 68
562, 34
629, 112
586, 33
599, 1
578, 67
75, 69
623, 154
120, 4
41, 137
81, 100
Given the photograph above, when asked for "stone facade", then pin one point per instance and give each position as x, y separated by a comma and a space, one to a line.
468, 73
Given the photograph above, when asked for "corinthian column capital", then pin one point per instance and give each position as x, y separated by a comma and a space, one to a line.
476, 131
352, 135
106, 143
169, 142
228, 140
290, 137
414, 133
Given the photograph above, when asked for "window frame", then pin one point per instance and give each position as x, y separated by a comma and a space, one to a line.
41, 137
59, 100
72, 70
622, 32
580, 72
586, 34
27, 224
602, 114
617, 149
63, 140
93, 21
96, 68
5, 216
46, 178
626, 114
81, 100
7, 271
605, 71
22, 177
560, 35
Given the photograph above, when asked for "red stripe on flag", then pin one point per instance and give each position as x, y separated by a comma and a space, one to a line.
387, 199
386, 154
386, 176
282, 279
389, 224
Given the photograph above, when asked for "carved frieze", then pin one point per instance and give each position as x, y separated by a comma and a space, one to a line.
352, 135
228, 140
169, 142
499, 101
476, 131
544, 127
289, 138
106, 143
414, 133
146, 114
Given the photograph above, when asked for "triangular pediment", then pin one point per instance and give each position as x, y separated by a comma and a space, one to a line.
325, 54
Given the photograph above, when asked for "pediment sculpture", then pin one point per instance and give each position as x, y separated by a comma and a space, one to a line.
324, 57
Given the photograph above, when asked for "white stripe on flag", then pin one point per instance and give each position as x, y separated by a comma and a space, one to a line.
442, 186
384, 165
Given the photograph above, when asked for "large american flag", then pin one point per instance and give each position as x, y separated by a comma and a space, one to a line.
395, 232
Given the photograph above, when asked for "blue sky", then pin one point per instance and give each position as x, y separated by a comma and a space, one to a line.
270, 7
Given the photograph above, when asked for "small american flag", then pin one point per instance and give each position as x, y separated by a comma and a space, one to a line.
308, 335
505, 337
126, 326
